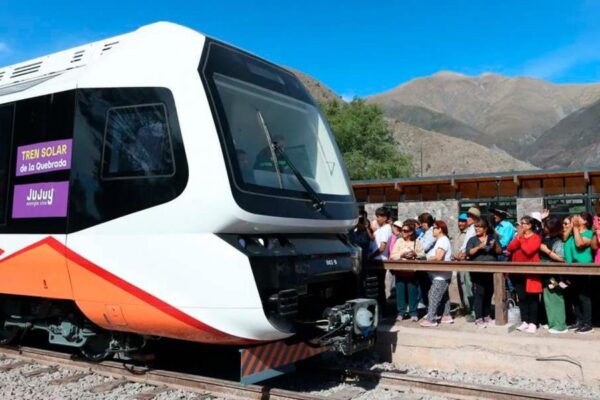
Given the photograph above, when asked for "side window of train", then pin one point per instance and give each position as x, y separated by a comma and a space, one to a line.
129, 154
6, 125
137, 143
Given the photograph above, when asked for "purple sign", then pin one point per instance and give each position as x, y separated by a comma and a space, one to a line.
41, 200
39, 158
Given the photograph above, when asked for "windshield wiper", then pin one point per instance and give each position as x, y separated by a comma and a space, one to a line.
276, 152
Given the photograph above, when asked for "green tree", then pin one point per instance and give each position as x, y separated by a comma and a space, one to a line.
365, 140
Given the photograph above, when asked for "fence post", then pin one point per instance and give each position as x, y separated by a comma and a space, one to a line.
500, 298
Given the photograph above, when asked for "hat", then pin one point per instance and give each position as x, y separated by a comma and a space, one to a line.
463, 217
537, 215
398, 223
502, 213
474, 212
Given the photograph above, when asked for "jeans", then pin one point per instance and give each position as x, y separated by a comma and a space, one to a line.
406, 285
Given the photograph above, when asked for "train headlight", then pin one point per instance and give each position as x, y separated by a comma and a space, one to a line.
365, 316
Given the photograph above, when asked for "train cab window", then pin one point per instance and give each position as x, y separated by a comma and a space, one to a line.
137, 143
6, 124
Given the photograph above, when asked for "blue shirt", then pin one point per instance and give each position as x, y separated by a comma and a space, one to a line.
506, 232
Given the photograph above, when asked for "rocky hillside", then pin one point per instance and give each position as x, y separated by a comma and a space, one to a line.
317, 89
509, 112
574, 141
444, 155
453, 151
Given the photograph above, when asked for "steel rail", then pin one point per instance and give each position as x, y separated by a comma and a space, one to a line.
454, 390
175, 380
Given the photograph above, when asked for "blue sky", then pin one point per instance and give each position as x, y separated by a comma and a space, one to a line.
357, 48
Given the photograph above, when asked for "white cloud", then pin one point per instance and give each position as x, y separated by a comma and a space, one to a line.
557, 63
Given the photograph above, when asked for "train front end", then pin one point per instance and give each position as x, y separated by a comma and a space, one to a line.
295, 208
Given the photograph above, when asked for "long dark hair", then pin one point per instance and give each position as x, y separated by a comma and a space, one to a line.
413, 228
553, 225
484, 223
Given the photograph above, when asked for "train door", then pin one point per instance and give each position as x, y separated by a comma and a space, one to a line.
37, 143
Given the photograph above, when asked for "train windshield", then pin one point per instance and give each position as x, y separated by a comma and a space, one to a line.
275, 135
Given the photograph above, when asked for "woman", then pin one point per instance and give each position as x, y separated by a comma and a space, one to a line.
484, 246
551, 250
595, 245
525, 248
438, 293
578, 250
396, 228
407, 247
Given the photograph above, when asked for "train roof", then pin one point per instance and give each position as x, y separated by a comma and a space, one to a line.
131, 59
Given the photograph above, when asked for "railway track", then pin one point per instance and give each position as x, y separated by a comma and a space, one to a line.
159, 381
453, 390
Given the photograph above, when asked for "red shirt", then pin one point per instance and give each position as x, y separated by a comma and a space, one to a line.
526, 249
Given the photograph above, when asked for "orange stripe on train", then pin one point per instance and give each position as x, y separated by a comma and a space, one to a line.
48, 269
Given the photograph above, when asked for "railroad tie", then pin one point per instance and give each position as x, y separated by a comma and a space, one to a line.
13, 365
347, 393
70, 378
46, 370
108, 386
149, 395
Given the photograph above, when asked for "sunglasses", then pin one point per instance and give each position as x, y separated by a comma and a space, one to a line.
478, 226
566, 223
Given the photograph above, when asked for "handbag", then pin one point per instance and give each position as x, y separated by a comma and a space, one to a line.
514, 312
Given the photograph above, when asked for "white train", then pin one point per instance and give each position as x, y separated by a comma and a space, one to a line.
164, 184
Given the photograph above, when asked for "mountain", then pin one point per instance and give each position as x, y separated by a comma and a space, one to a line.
317, 89
444, 155
434, 121
573, 142
510, 112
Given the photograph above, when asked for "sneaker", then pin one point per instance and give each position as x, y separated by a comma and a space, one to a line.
574, 327
585, 329
399, 318
523, 326
557, 331
480, 323
531, 328
414, 318
427, 323
489, 320
447, 319
544, 327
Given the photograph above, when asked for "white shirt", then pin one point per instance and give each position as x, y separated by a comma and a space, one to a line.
383, 234
441, 243
468, 235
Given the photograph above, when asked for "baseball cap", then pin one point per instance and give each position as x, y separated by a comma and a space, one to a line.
462, 217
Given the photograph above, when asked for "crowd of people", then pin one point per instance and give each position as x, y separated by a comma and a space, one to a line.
543, 300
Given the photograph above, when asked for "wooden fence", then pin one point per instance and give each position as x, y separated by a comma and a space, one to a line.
497, 268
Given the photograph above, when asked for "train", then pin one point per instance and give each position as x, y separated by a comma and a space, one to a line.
163, 183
